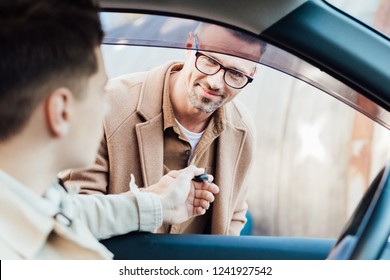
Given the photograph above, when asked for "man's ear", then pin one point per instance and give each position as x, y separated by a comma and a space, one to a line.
57, 109
254, 70
189, 43
190, 40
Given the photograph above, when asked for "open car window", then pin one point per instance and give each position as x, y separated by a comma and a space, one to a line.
319, 142
124, 29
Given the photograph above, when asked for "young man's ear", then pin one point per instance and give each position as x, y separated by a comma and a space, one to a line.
57, 109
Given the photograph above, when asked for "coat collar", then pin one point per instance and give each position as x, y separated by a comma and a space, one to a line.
26, 220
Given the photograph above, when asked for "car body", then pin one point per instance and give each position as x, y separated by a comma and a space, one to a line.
321, 102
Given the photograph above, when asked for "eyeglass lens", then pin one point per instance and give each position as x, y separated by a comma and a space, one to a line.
209, 66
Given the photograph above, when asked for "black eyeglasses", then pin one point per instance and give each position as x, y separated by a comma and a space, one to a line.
209, 66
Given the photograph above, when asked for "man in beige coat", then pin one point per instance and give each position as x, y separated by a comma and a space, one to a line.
178, 114
51, 109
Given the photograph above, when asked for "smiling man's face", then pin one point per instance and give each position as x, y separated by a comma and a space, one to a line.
209, 92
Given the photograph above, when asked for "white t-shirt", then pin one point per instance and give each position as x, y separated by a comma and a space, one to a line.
193, 137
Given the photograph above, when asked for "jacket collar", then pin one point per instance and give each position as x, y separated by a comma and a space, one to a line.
26, 219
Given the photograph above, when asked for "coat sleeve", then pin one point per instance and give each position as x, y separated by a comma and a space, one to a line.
92, 180
238, 220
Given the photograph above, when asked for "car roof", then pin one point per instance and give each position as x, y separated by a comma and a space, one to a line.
334, 42
254, 10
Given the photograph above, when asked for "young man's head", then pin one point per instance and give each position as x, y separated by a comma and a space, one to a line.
51, 78
213, 78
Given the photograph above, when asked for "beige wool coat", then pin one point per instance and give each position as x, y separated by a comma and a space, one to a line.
133, 143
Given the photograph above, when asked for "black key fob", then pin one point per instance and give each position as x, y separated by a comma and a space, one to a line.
201, 178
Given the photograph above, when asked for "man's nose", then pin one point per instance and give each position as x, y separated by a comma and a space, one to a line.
216, 81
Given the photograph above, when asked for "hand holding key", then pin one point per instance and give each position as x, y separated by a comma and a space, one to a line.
184, 193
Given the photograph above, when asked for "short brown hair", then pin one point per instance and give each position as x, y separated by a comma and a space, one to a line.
45, 44
243, 36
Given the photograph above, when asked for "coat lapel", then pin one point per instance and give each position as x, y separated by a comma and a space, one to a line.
150, 144
150, 132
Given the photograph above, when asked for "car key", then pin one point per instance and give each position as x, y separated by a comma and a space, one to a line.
201, 178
